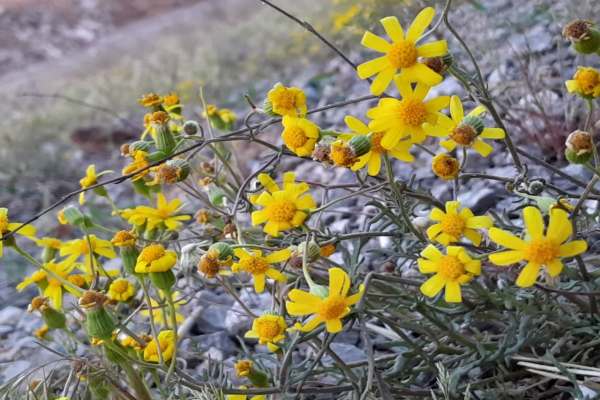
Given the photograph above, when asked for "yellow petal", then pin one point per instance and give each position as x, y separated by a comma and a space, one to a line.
334, 325
555, 267
506, 239
573, 248
299, 309
437, 103
427, 266
528, 275
382, 81
419, 24
405, 89
375, 42
300, 296
481, 147
452, 292
356, 125
393, 28
433, 49
506, 257
433, 285
259, 217
433, 231
560, 227
456, 109
268, 183
534, 222
421, 73
278, 256
492, 133
339, 281
436, 214
370, 68
480, 222
431, 253
473, 236
374, 164
259, 283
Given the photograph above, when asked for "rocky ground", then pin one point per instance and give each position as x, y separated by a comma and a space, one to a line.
524, 61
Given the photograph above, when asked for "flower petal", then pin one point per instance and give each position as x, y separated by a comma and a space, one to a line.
560, 227
393, 28
506, 239
371, 67
419, 24
573, 248
528, 275
339, 282
278, 256
334, 325
534, 222
375, 42
555, 267
356, 125
452, 292
427, 266
300, 296
382, 81
431, 253
480, 222
433, 49
492, 133
506, 257
456, 109
484, 149
433, 285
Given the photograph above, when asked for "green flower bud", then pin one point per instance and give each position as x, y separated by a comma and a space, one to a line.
129, 257
475, 122
164, 139
54, 319
579, 147
75, 217
99, 323
141, 145
360, 145
583, 35
163, 280
224, 251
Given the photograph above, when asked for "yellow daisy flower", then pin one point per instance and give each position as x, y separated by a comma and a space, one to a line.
88, 180
282, 208
50, 286
161, 312
299, 135
121, 290
372, 159
254, 263
269, 329
403, 119
164, 213
585, 82
464, 131
451, 270
140, 160
166, 345
6, 226
283, 101
87, 247
329, 310
453, 224
538, 248
154, 258
150, 100
402, 54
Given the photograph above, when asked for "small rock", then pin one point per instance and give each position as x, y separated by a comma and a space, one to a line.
347, 352
10, 315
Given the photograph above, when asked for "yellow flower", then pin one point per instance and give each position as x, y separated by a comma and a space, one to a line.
269, 329
404, 119
344, 18
170, 101
60, 216
150, 100
299, 135
454, 224
166, 345
6, 226
464, 131
140, 161
88, 180
164, 213
287, 101
87, 247
451, 270
243, 367
538, 248
124, 239
227, 116
253, 262
402, 54
49, 242
445, 166
372, 159
282, 209
121, 290
154, 258
585, 82
160, 311
130, 342
329, 310
50, 285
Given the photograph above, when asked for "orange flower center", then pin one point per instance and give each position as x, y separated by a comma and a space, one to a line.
463, 134
284, 99
119, 286
453, 225
412, 112
451, 267
152, 253
541, 251
376, 142
342, 155
402, 54
444, 166
254, 265
587, 79
294, 137
268, 329
333, 307
209, 266
282, 211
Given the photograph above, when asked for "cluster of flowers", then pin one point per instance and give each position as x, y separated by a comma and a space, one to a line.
148, 274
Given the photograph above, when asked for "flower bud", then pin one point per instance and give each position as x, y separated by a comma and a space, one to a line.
74, 216
139, 145
245, 368
99, 323
54, 319
322, 150
222, 250
163, 280
360, 145
341, 154
445, 166
191, 128
439, 64
536, 186
164, 139
583, 35
579, 147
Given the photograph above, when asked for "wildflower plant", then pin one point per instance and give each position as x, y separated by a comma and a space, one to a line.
424, 283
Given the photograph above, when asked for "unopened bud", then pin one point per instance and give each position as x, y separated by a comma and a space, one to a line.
579, 147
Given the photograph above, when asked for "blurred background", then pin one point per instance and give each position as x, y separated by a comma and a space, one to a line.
71, 72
